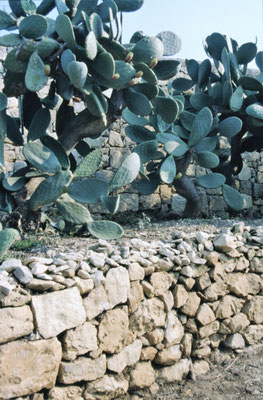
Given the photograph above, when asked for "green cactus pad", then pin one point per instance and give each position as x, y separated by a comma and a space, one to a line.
7, 237
39, 124
168, 170
116, 49
46, 47
129, 5
134, 119
13, 183
127, 172
204, 72
192, 67
112, 203
200, 100
147, 150
255, 110
3, 124
236, 100
259, 60
3, 101
106, 230
187, 119
249, 83
24, 52
210, 181
41, 157
172, 43
206, 159
88, 190
149, 90
12, 64
201, 126
226, 63
138, 103
206, 144
91, 47
103, 10
6, 20
166, 69
149, 185
77, 72
164, 137
95, 105
233, 198
13, 133
147, 49
89, 164
180, 132
33, 26
227, 92
45, 7
230, 126
216, 93
10, 40
176, 147
104, 65
167, 108
246, 53
61, 7
65, 30
139, 134
182, 84
66, 57
96, 25
73, 212
57, 148
50, 189
35, 78
215, 44
148, 73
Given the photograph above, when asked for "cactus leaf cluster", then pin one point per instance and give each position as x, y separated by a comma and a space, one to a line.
127, 172
39, 124
7, 237
107, 230
73, 212
88, 191
41, 157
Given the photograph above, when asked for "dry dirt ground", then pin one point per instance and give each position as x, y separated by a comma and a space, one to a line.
233, 376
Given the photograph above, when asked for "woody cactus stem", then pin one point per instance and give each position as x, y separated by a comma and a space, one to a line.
86, 125
186, 188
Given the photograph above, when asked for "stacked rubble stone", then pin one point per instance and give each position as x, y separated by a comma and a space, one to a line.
118, 317
116, 146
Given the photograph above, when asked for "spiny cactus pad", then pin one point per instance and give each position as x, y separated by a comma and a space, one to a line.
7, 237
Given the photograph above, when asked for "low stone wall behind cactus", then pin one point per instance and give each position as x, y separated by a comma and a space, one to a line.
116, 146
116, 318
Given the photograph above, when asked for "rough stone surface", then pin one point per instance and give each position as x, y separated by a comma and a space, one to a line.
117, 286
174, 330
65, 393
149, 314
58, 311
15, 323
191, 306
28, 367
82, 369
143, 375
169, 355
254, 309
108, 387
96, 302
128, 356
79, 341
161, 282
205, 314
113, 329
176, 372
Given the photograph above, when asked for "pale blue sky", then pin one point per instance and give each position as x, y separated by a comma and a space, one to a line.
193, 20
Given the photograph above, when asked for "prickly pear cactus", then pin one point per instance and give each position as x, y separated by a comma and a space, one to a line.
7, 237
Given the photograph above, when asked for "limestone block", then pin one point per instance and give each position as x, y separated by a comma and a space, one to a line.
143, 375
224, 242
79, 341
148, 202
168, 300
187, 343
82, 369
129, 202
108, 387
135, 296
156, 336
208, 330
176, 372
256, 265
96, 302
149, 315
117, 286
216, 290
254, 309
237, 284
169, 355
65, 393
180, 296
200, 367
235, 341
178, 204
148, 353
15, 322
55, 312
113, 329
255, 283
238, 323
253, 334
16, 298
136, 272
161, 282
128, 356
228, 306
191, 306
28, 367
174, 330
205, 314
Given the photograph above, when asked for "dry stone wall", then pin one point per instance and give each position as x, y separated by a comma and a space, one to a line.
116, 146
114, 318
